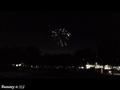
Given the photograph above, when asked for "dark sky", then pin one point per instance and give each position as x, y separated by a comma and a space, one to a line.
89, 29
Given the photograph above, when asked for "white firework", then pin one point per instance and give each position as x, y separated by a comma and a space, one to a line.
62, 36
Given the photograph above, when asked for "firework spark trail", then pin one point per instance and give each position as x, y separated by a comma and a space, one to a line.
61, 36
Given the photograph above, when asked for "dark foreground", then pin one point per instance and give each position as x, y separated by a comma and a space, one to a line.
41, 79
55, 75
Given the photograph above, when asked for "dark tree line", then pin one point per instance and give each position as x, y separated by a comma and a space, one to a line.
33, 55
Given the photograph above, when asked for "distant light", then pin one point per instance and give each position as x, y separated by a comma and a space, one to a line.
110, 72
13, 65
31, 66
96, 63
79, 67
72, 66
114, 67
107, 67
117, 67
88, 66
98, 66
17, 65
36, 66
22, 64
116, 74
59, 67
82, 67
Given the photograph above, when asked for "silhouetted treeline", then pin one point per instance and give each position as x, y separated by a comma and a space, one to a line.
33, 55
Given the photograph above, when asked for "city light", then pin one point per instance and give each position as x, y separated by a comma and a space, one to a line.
118, 68
82, 67
13, 64
88, 66
73, 66
59, 67
79, 67
96, 63
111, 70
107, 67
17, 65
36, 66
31, 66
98, 66
118, 74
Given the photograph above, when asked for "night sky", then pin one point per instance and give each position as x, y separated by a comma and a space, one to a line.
88, 29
